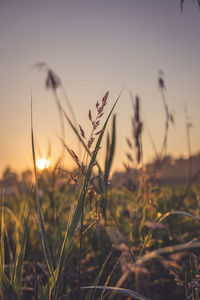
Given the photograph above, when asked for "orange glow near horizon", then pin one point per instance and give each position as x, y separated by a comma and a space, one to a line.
43, 163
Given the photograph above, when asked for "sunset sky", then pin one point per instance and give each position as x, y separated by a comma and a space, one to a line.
95, 46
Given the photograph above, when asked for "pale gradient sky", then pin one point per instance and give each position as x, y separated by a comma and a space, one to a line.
95, 46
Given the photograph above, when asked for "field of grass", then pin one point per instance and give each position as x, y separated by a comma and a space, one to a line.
75, 235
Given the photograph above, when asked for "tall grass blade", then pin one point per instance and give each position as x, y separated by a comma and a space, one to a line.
20, 251
165, 250
119, 291
107, 156
39, 211
166, 215
7, 290
179, 212
44, 292
2, 233
91, 293
77, 214
6, 287
70, 153
109, 277
108, 162
2, 260
110, 150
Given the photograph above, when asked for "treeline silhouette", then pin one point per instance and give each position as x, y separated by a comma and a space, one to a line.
174, 171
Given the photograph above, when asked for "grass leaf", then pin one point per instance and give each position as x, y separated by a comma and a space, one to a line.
20, 251
6, 287
90, 294
119, 291
69, 235
2, 234
110, 150
39, 211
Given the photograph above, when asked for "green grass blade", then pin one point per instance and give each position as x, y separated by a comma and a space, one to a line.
109, 277
39, 211
18, 247
166, 250
2, 234
112, 146
77, 214
76, 131
108, 162
44, 292
70, 153
119, 291
6, 287
20, 251
90, 294
166, 215
110, 150
2, 259
179, 212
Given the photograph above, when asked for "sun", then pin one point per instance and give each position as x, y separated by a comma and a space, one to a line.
43, 163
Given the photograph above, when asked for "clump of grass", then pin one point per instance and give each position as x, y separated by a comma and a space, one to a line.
53, 286
10, 284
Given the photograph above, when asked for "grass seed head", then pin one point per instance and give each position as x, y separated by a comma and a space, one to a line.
161, 81
82, 132
90, 115
52, 81
74, 155
90, 142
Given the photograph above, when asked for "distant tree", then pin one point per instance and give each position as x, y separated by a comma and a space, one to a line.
26, 177
9, 176
182, 3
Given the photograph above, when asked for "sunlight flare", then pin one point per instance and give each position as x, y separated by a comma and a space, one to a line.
43, 163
